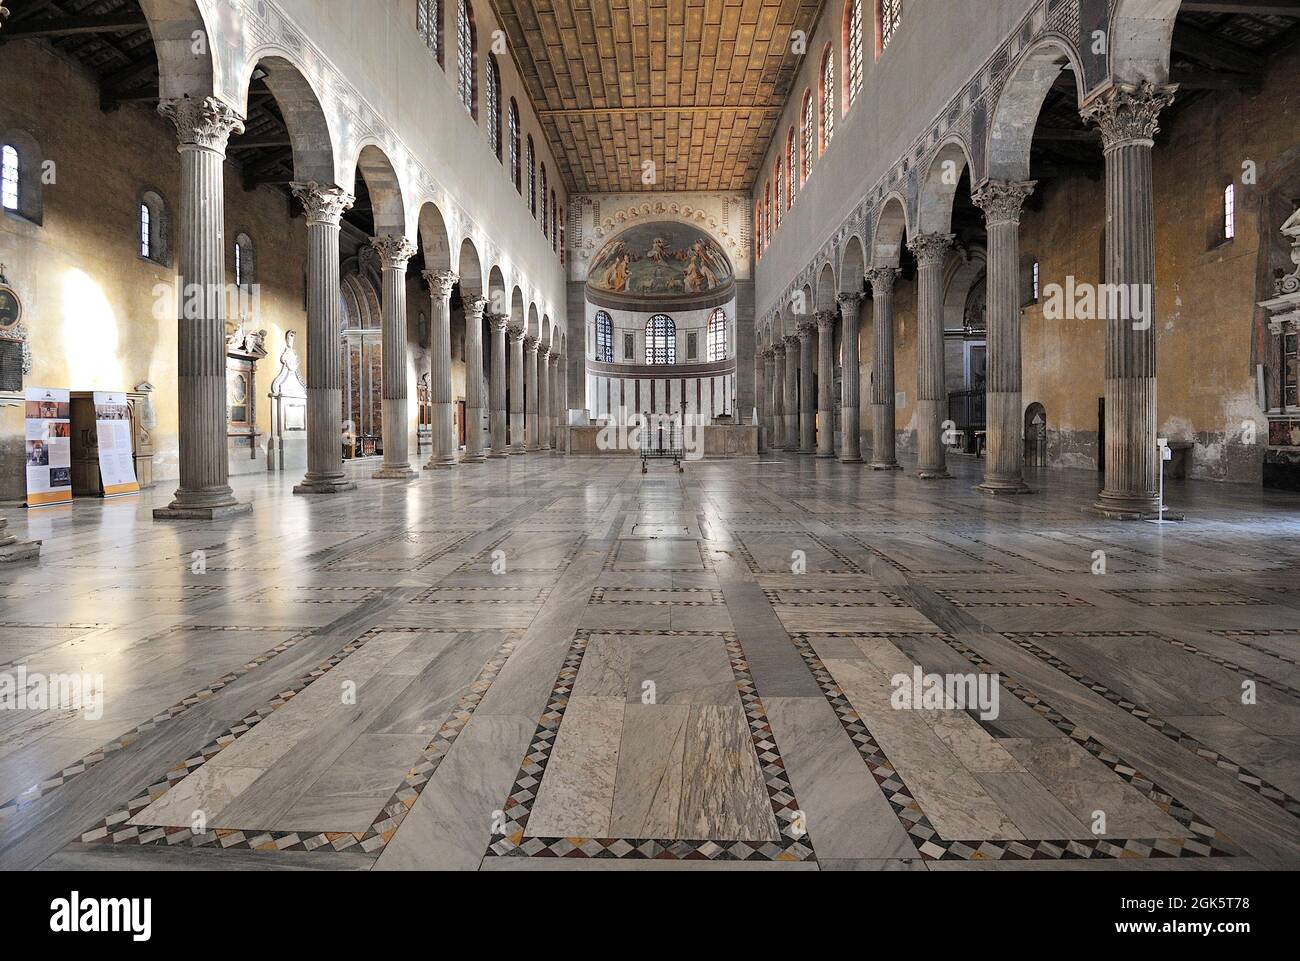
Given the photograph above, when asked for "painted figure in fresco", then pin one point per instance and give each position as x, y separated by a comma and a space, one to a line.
658, 251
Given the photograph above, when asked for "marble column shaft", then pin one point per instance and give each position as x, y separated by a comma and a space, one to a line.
515, 335
557, 429
825, 423
544, 398
203, 128
769, 398
530, 393
884, 454
324, 205
394, 254
777, 440
497, 386
473, 306
931, 251
851, 383
443, 453
762, 359
1128, 116
1002, 202
792, 349
807, 396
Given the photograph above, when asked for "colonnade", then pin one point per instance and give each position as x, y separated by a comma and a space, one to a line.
204, 127
1127, 116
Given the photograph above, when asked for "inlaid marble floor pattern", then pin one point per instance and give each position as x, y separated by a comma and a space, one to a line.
559, 663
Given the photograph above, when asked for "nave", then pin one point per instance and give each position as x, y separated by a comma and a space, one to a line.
542, 663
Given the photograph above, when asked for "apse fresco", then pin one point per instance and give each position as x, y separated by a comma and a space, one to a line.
661, 259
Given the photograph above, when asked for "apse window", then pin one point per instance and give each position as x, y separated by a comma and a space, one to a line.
604, 338
9, 164
151, 232
660, 340
1229, 212
717, 340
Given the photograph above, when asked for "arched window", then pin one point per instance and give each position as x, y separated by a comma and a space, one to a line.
828, 98
809, 135
780, 192
152, 227
492, 89
245, 261
9, 177
532, 178
889, 14
555, 223
604, 338
1230, 212
562, 238
467, 50
545, 216
514, 146
717, 336
428, 24
660, 340
791, 168
758, 227
852, 52
20, 180
767, 211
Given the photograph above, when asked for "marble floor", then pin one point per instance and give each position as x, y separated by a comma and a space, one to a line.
551, 662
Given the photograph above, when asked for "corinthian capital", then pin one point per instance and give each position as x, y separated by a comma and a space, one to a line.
1002, 200
514, 334
825, 319
778, 350
808, 327
323, 203
206, 122
791, 341
543, 352
850, 304
1129, 113
881, 279
394, 252
474, 305
530, 343
930, 249
497, 322
441, 282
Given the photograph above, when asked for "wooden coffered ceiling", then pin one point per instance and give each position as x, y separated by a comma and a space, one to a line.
696, 86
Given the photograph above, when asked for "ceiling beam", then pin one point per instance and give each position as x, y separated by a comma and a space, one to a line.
627, 111
73, 26
1189, 80
1254, 8
1214, 51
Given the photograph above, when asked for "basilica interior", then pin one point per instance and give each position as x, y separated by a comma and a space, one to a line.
486, 435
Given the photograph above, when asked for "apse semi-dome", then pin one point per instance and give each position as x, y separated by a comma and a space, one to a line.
662, 262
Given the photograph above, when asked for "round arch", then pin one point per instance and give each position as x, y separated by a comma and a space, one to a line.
1142, 36
182, 72
891, 230
1011, 132
310, 136
939, 187
469, 269
853, 266
434, 242
389, 209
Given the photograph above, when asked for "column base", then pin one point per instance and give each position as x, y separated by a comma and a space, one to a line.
181, 512
17, 551
1131, 509
934, 473
822, 455
516, 449
497, 455
995, 488
404, 472
324, 487
856, 459
474, 458
885, 466
442, 464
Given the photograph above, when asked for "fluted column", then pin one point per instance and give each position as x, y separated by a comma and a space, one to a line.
530, 393
543, 398
762, 378
324, 205
825, 421
1002, 201
394, 254
443, 453
515, 335
884, 454
473, 305
807, 397
850, 445
1128, 116
777, 440
931, 251
203, 128
497, 385
792, 393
